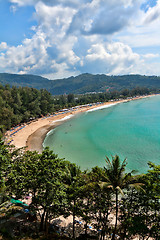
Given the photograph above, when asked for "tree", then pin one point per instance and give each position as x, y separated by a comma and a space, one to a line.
62, 100
4, 164
74, 182
116, 179
140, 210
20, 104
42, 176
150, 201
152, 188
101, 203
70, 98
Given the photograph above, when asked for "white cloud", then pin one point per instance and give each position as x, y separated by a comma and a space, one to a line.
3, 46
96, 36
153, 14
37, 55
114, 58
151, 55
54, 22
53, 18
104, 16
144, 30
70, 3
60, 70
26, 57
23, 2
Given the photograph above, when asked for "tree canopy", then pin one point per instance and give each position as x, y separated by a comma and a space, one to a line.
60, 188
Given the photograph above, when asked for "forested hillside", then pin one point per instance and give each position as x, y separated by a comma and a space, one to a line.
22, 104
81, 84
17, 80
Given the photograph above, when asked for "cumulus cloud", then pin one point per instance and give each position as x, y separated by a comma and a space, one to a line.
54, 22
75, 36
31, 55
48, 51
54, 18
114, 58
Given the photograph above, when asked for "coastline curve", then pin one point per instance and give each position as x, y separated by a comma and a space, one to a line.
33, 134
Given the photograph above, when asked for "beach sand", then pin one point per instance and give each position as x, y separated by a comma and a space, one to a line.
32, 135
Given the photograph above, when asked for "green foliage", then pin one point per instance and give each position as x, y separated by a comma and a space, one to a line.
116, 179
42, 176
22, 104
101, 205
59, 188
84, 83
70, 100
4, 162
74, 182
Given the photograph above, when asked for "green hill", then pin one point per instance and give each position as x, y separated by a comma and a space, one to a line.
83, 83
23, 80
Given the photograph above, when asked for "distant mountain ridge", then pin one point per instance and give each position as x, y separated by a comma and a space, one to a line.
81, 84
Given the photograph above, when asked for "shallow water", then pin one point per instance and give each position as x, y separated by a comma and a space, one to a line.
129, 129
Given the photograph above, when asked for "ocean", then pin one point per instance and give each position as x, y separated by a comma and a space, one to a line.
130, 130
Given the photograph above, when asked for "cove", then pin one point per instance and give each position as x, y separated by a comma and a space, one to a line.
130, 130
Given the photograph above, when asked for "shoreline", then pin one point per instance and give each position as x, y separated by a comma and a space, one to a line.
32, 135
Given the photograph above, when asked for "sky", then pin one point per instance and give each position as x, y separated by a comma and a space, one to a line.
62, 38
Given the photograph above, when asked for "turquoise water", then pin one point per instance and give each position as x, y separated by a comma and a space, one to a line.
130, 130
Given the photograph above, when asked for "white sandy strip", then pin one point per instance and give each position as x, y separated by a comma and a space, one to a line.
102, 107
63, 119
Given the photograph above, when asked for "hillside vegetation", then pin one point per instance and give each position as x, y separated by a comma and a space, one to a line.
22, 104
81, 84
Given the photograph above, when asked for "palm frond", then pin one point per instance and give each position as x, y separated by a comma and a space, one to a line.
108, 161
123, 165
120, 190
137, 186
105, 185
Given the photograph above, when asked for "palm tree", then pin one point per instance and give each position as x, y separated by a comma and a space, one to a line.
116, 179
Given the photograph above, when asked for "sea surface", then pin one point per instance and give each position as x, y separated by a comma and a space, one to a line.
130, 130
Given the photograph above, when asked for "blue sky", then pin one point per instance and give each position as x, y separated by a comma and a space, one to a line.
60, 38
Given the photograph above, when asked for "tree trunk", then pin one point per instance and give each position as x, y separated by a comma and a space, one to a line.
42, 220
74, 219
85, 228
46, 223
127, 217
115, 227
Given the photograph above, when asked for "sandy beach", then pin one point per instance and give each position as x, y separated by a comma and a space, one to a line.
31, 135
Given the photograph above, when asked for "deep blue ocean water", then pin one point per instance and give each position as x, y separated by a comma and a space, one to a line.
131, 130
